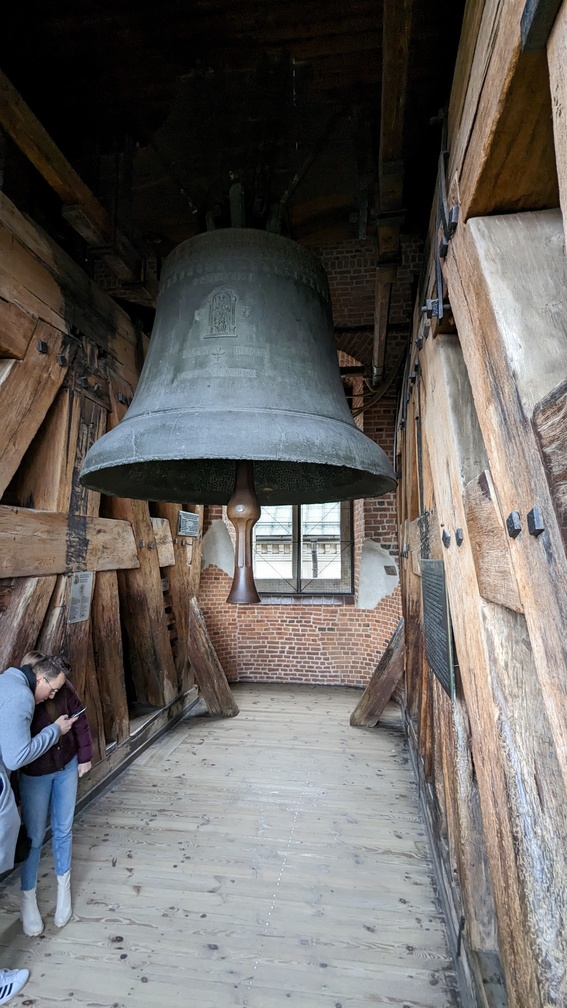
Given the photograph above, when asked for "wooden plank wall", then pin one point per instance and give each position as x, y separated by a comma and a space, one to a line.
481, 445
69, 363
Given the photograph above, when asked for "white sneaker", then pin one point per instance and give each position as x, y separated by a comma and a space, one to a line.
11, 983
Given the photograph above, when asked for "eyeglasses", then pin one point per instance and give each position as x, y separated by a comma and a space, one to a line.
52, 691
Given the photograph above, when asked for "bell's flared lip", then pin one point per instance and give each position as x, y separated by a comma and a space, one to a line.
299, 458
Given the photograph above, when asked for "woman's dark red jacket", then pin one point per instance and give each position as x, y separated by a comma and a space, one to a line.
77, 742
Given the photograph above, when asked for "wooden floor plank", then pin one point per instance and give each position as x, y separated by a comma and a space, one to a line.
276, 858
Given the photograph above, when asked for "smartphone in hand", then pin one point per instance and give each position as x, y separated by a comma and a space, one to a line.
81, 711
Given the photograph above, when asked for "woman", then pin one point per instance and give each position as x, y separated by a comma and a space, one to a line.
50, 783
20, 690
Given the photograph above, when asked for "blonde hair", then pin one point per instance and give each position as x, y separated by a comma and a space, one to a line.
49, 666
33, 657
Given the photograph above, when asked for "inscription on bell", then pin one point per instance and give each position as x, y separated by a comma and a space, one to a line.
222, 315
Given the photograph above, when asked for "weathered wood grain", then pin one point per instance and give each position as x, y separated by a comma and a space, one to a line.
179, 577
550, 425
208, 670
108, 657
16, 330
531, 298
278, 861
485, 667
557, 62
489, 543
163, 541
21, 620
502, 154
449, 431
27, 389
47, 285
142, 611
45, 482
149, 653
34, 543
377, 694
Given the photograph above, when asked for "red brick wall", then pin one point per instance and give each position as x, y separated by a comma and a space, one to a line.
380, 522
308, 641
327, 644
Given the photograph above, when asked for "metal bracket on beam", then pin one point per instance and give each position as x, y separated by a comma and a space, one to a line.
537, 21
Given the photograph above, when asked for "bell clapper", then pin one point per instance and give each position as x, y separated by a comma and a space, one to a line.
243, 511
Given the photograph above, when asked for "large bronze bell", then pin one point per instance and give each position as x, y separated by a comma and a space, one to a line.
242, 365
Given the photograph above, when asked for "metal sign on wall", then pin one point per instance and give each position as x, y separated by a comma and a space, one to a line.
187, 524
438, 636
80, 600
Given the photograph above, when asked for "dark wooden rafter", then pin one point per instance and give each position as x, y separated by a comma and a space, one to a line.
81, 209
397, 19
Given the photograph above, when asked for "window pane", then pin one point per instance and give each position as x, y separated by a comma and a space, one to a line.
320, 542
273, 537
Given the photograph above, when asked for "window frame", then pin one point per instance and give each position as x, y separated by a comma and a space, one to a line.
299, 587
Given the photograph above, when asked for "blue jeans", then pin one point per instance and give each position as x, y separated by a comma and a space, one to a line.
36, 795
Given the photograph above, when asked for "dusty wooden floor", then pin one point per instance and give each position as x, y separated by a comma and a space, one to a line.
274, 859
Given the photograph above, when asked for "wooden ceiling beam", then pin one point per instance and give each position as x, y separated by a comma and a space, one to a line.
81, 209
396, 30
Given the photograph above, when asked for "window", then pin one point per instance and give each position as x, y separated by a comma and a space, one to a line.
304, 549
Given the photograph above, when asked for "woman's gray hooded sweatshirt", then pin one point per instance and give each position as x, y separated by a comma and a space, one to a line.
17, 747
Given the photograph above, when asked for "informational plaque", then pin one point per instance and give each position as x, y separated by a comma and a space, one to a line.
438, 638
81, 591
187, 524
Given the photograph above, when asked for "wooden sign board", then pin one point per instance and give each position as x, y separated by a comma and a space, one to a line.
437, 623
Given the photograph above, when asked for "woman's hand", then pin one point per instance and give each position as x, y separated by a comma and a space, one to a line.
84, 768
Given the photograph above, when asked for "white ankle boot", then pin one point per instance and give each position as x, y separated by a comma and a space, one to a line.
63, 909
32, 923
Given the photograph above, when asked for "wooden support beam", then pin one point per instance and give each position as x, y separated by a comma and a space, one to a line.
530, 298
26, 602
557, 62
490, 544
142, 611
550, 424
209, 672
500, 132
396, 31
108, 655
34, 543
141, 597
179, 575
28, 388
16, 330
464, 820
447, 430
510, 273
82, 210
164, 541
388, 673
46, 284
